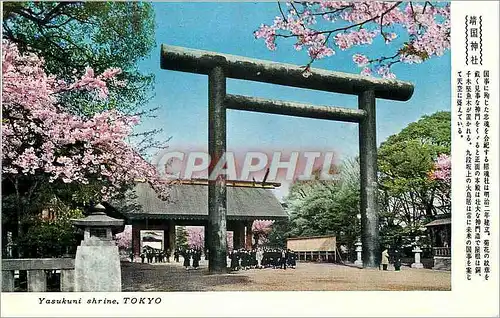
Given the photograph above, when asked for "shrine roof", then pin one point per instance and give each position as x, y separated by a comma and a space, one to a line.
437, 222
190, 201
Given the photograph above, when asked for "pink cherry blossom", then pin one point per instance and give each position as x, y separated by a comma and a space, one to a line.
196, 238
40, 138
442, 169
366, 71
124, 239
385, 72
261, 230
427, 28
360, 60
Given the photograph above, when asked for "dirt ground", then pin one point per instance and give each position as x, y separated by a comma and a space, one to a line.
307, 276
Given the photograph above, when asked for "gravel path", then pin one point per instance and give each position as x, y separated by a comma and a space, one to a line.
307, 276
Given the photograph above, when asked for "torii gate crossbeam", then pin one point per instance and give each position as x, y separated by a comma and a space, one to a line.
219, 66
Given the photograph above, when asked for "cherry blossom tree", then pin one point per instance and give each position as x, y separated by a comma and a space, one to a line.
40, 138
196, 237
442, 169
124, 239
43, 146
441, 172
260, 231
324, 27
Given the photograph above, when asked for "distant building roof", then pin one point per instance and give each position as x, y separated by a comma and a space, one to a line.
190, 201
437, 222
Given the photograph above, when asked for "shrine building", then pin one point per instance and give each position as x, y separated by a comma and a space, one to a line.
188, 206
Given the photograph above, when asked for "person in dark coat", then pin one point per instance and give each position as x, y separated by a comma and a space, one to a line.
276, 259
283, 259
270, 258
244, 260
187, 259
234, 260
397, 260
176, 255
167, 255
292, 259
264, 261
196, 259
253, 258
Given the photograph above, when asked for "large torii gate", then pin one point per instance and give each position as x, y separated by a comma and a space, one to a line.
219, 66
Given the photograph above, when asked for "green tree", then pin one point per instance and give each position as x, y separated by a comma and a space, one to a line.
71, 36
319, 207
279, 233
51, 235
181, 238
408, 196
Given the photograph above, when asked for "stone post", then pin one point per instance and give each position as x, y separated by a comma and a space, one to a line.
217, 205
417, 263
171, 236
37, 280
359, 249
248, 235
67, 280
368, 174
7, 281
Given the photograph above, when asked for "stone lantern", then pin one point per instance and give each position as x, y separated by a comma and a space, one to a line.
417, 252
97, 262
359, 250
359, 246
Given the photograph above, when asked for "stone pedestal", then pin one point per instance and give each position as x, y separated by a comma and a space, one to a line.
97, 262
417, 263
359, 249
97, 268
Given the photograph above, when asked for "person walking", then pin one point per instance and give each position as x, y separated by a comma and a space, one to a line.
196, 258
186, 255
397, 260
292, 259
385, 259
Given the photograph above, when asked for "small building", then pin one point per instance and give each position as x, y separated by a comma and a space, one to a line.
440, 232
314, 248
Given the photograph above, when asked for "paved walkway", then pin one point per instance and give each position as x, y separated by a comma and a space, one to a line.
307, 276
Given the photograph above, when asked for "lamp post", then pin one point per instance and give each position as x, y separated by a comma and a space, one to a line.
97, 262
417, 250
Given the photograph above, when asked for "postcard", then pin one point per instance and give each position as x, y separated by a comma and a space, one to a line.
240, 158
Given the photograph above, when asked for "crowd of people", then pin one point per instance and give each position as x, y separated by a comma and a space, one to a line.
243, 259
153, 255
262, 258
191, 257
